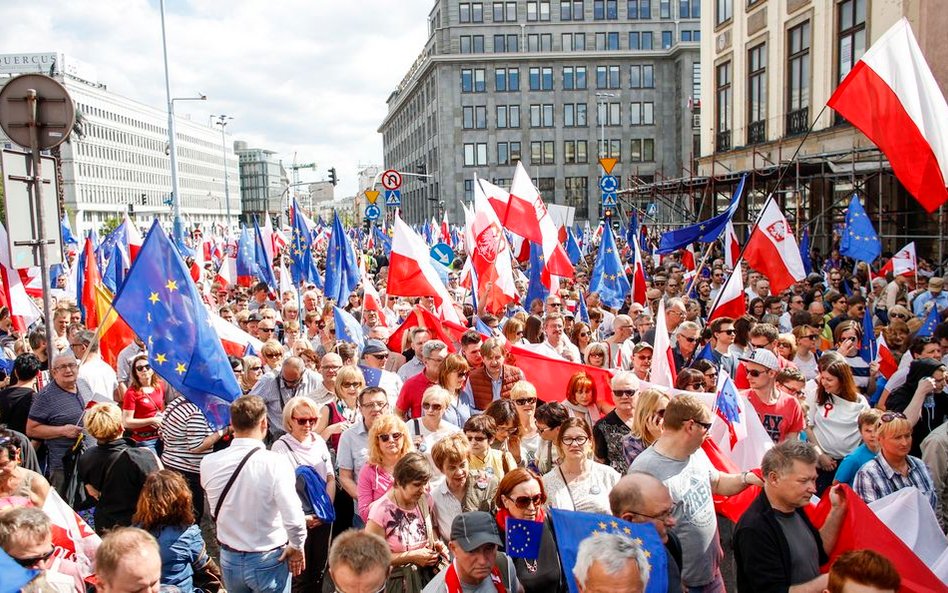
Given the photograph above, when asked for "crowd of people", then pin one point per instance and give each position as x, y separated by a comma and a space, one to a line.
397, 466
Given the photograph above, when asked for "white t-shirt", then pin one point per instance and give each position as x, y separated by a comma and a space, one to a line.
836, 424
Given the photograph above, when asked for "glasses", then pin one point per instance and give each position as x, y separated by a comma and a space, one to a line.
66, 367
705, 425
898, 316
660, 413
527, 401
272, 354
430, 406
379, 356
509, 430
352, 385
305, 421
599, 354
686, 338
754, 373
476, 438
662, 517
890, 416
623, 392
374, 405
144, 367
570, 441
463, 374
697, 385
524, 502
256, 369
811, 336
764, 345
330, 369
583, 334
265, 329
795, 392
729, 332
34, 560
395, 436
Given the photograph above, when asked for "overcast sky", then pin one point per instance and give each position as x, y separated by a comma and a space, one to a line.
304, 76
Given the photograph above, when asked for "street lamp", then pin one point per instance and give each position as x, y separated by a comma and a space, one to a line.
601, 112
222, 120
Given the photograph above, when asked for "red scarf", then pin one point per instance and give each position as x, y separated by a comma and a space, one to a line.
453, 583
502, 516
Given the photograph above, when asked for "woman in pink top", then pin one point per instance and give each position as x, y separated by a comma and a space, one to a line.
389, 441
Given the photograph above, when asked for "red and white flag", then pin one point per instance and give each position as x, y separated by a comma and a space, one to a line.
371, 300
638, 274
22, 308
903, 263
236, 342
135, 239
73, 539
772, 250
446, 231
731, 302
893, 98
732, 247
490, 255
663, 363
411, 273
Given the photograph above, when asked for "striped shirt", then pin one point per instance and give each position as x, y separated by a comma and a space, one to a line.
183, 429
877, 479
860, 369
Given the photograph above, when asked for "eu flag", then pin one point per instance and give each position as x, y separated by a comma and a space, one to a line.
931, 322
582, 313
342, 269
161, 304
572, 248
68, 237
523, 538
246, 264
608, 275
805, 252
706, 231
301, 250
535, 289
859, 240
867, 350
347, 328
263, 261
572, 528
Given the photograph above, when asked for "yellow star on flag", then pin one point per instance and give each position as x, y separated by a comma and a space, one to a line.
153, 298
161, 358
171, 285
180, 368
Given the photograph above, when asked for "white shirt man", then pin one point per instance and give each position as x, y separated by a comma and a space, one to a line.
556, 338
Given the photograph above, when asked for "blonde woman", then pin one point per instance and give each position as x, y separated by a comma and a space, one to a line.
272, 355
431, 427
252, 371
524, 396
341, 413
647, 423
389, 441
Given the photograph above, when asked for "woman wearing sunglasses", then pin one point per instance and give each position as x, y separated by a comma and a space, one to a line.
506, 428
305, 448
808, 342
453, 377
252, 371
647, 423
431, 427
690, 379
581, 336
340, 414
524, 396
143, 403
388, 442
847, 339
521, 496
579, 483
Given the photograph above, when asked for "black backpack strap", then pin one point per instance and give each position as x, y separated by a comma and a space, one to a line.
230, 482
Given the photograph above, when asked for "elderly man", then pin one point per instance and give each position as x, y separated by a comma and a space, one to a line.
374, 357
278, 388
26, 535
128, 559
353, 448
478, 566
417, 336
494, 379
776, 546
609, 431
618, 351
780, 413
433, 354
686, 344
677, 460
610, 563
55, 415
675, 313
642, 498
359, 561
642, 360
556, 340
329, 366
935, 296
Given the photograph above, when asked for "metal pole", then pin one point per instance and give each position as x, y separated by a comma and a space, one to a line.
178, 227
33, 104
222, 121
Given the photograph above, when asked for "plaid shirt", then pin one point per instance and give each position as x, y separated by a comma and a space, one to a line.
877, 479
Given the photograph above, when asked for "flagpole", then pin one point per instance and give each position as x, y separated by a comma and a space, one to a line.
704, 259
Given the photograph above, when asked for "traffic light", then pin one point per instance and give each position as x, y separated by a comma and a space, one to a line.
421, 169
366, 224
332, 176
144, 199
607, 213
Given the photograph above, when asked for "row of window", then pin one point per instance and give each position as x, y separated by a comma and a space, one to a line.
543, 152
576, 10
571, 42
641, 113
474, 80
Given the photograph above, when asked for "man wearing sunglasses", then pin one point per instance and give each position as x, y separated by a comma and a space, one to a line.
26, 536
374, 358
722, 336
780, 413
677, 460
686, 345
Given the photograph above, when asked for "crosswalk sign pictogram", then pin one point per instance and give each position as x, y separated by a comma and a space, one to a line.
393, 197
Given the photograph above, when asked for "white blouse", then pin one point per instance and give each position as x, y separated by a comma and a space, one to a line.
589, 493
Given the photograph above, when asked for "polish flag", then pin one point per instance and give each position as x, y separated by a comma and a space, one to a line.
731, 302
903, 263
638, 274
22, 308
134, 237
885, 358
772, 249
72, 538
236, 342
688, 258
32, 281
732, 247
893, 98
526, 215
411, 273
663, 363
490, 255
445, 230
371, 301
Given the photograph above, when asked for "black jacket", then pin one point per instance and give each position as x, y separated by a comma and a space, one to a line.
762, 551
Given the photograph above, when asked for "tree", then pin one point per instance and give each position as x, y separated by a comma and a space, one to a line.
109, 225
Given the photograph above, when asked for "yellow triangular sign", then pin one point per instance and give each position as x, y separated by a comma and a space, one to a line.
371, 195
608, 164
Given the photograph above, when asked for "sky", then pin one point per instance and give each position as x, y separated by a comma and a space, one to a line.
308, 77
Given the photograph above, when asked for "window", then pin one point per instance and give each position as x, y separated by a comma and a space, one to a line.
506, 43
689, 9
540, 42
639, 9
571, 10
798, 79
541, 116
574, 42
475, 155
508, 116
722, 106
757, 94
666, 39
643, 150
467, 80
723, 11
605, 10
505, 12
612, 148
640, 40
642, 114
664, 9
471, 12
642, 77
608, 114
480, 84
541, 79
607, 77
507, 79
577, 195
468, 190
851, 41
574, 78
508, 153
472, 44
607, 41
538, 11
574, 115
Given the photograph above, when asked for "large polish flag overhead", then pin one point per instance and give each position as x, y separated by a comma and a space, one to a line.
892, 97
772, 249
731, 302
410, 273
490, 255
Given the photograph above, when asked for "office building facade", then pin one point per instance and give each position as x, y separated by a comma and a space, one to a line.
552, 84
262, 181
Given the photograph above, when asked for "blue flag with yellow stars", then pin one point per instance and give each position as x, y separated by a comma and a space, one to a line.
523, 538
161, 304
706, 231
571, 528
608, 274
263, 261
859, 240
342, 269
536, 289
931, 322
301, 251
347, 328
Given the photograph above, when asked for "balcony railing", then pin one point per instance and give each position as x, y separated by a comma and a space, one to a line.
723, 141
798, 121
757, 132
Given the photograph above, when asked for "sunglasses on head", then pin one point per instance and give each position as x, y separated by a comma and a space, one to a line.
890, 416
395, 436
524, 502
